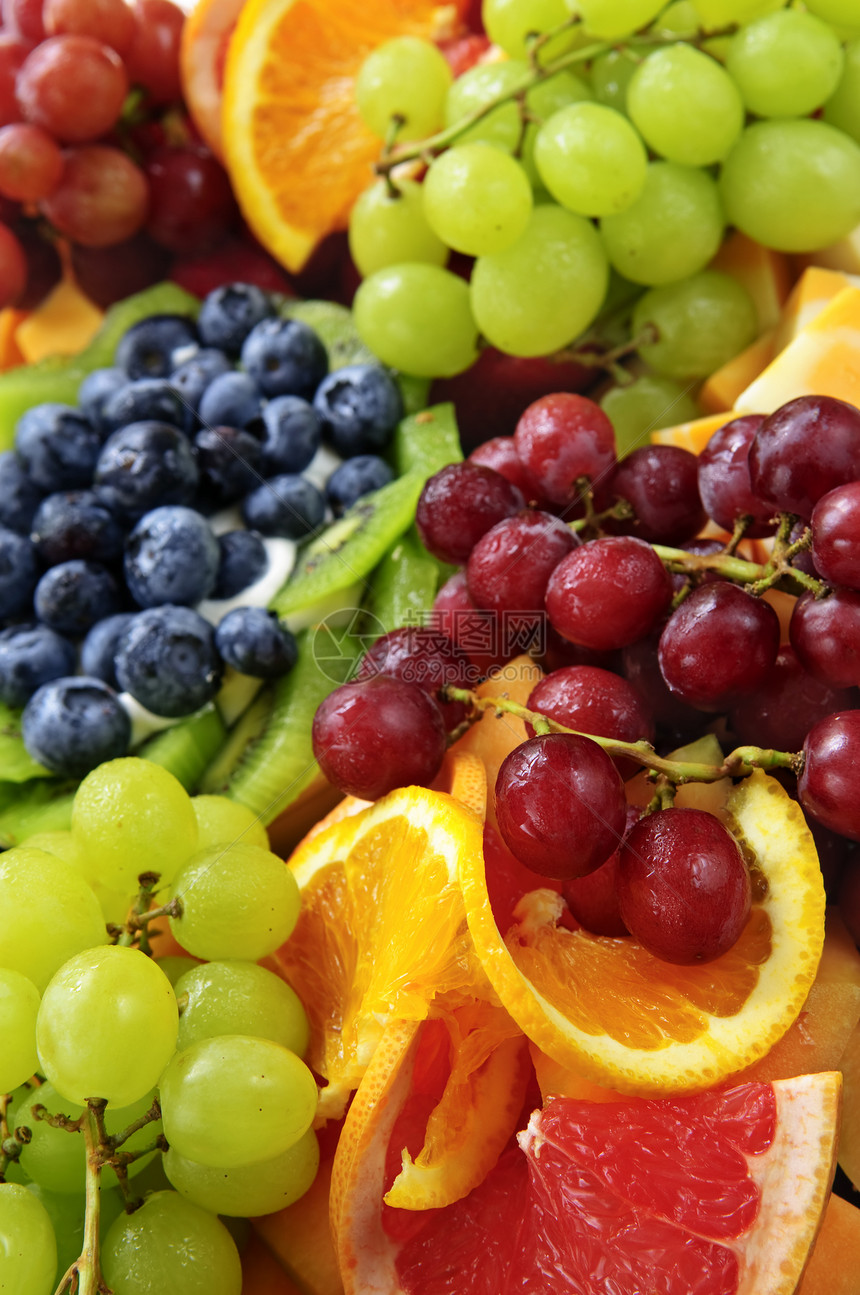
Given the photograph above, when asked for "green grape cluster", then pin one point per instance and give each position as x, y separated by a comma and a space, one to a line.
113, 1056
611, 138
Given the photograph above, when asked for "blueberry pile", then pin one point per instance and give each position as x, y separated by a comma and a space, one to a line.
106, 538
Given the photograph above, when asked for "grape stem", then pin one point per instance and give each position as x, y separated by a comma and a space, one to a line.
84, 1277
739, 763
777, 573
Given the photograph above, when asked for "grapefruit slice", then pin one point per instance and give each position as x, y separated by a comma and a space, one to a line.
206, 34
718, 1193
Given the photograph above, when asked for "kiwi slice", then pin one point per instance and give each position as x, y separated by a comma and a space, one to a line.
402, 587
267, 760
15, 760
426, 441
41, 805
186, 748
58, 378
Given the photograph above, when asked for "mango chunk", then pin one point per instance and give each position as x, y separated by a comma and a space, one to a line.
765, 274
814, 289
694, 435
63, 324
720, 391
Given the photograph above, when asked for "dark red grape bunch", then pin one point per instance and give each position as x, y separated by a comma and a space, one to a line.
426, 657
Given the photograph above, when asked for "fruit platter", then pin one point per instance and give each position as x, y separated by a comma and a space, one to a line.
429, 647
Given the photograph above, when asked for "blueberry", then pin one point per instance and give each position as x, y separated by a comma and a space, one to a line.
95, 390
254, 642
288, 505
228, 314
354, 478
291, 436
171, 556
231, 399
149, 348
72, 596
285, 358
76, 524
193, 377
19, 495
143, 465
228, 459
167, 661
31, 655
19, 572
70, 725
243, 560
147, 399
99, 647
57, 446
360, 406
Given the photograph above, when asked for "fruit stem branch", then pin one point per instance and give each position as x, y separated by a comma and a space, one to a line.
114, 1140
84, 1277
779, 565
753, 574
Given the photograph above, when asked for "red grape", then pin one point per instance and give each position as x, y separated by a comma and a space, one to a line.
31, 162
595, 701
641, 667
825, 634
785, 705
809, 446
44, 267
425, 657
827, 786
608, 593
371, 737
13, 267
13, 51
562, 437
110, 21
683, 887
73, 86
101, 199
459, 504
509, 567
24, 17
192, 208
500, 453
660, 482
560, 805
107, 274
724, 478
836, 535
475, 632
153, 57
593, 899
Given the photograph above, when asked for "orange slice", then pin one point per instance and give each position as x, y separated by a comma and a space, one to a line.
382, 932
206, 35
296, 150
620, 1017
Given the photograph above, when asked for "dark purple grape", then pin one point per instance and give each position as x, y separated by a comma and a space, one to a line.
593, 899
371, 737
785, 706
827, 786
719, 643
808, 447
508, 569
608, 593
724, 478
560, 805
706, 548
595, 701
641, 667
683, 887
836, 535
825, 634
562, 437
424, 657
476, 632
461, 503
660, 482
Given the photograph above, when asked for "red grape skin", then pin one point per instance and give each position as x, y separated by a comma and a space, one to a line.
192, 208
849, 898
371, 737
836, 535
500, 453
720, 642
44, 266
459, 504
640, 666
24, 17
424, 657
73, 86
593, 899
683, 887
785, 705
827, 786
110, 21
153, 56
107, 274
596, 701
787, 467
724, 478
560, 805
13, 51
476, 633
660, 482
608, 593
509, 567
13, 267
562, 437
31, 162
101, 199
825, 634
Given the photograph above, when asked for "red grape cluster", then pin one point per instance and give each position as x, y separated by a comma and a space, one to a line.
649, 633
93, 148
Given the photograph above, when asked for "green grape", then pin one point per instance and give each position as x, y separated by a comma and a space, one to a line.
786, 64
474, 90
19, 1005
221, 819
544, 99
540, 294
62, 845
67, 1212
237, 901
793, 185
237, 997
842, 14
170, 1244
417, 318
842, 109
591, 159
387, 226
28, 1247
679, 19
611, 19
648, 402
248, 1190
407, 78
673, 228
720, 13
175, 965
234, 1099
685, 105
107, 1026
132, 816
54, 1158
509, 22
611, 74
477, 198
701, 323
50, 914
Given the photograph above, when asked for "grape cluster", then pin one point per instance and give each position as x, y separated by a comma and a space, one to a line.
600, 162
594, 566
144, 532
197, 1057
94, 148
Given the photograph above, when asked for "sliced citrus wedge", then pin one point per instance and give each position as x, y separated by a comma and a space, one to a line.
624, 1019
296, 150
206, 35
